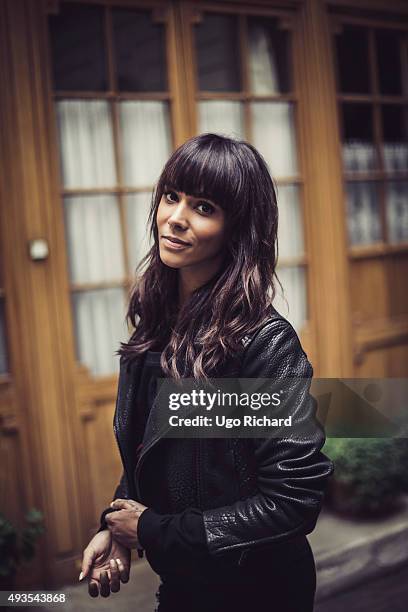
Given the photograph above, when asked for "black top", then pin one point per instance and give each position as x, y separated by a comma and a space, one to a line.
174, 538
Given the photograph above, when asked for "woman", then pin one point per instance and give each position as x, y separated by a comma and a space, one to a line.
223, 522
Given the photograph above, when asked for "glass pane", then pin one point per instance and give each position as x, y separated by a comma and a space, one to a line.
139, 51
217, 53
359, 153
99, 318
274, 136
395, 136
137, 212
86, 144
146, 140
269, 65
221, 117
294, 286
396, 194
93, 234
290, 226
3, 344
387, 44
77, 48
363, 211
353, 60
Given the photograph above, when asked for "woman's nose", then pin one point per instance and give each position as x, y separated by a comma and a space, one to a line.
178, 216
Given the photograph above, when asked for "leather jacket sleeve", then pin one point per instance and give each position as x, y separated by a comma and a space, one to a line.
121, 492
292, 471
173, 542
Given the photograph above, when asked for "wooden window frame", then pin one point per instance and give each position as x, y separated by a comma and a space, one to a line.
376, 99
161, 12
192, 14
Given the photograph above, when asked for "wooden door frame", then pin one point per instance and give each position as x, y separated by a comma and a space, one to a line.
40, 334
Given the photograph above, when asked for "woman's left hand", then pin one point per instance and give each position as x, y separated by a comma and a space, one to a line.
123, 523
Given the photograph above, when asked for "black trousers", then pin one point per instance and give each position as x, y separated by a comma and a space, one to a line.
271, 587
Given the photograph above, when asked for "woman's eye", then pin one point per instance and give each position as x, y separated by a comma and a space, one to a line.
208, 208
171, 196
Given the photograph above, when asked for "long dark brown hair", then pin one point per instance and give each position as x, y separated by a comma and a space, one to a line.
197, 337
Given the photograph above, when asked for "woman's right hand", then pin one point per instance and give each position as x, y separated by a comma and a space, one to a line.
106, 563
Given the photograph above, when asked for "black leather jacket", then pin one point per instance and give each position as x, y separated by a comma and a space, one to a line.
253, 492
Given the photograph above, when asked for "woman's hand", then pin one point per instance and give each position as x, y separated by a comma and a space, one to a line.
106, 563
123, 523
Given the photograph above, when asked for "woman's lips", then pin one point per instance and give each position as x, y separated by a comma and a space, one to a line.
174, 246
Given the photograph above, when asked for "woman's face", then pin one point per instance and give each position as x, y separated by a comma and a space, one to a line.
199, 222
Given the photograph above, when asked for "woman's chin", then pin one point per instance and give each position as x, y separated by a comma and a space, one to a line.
171, 261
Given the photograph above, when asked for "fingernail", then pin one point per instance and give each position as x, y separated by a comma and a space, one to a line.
81, 575
118, 561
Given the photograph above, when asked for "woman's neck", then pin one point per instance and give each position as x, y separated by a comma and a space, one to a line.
194, 277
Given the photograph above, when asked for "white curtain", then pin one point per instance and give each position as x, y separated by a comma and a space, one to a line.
395, 156
100, 326
291, 244
359, 156
221, 117
86, 144
290, 226
363, 216
146, 140
294, 293
274, 136
137, 212
262, 61
92, 223
397, 211
94, 240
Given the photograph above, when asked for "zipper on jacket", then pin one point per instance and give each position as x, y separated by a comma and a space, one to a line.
123, 461
245, 341
242, 557
142, 457
145, 450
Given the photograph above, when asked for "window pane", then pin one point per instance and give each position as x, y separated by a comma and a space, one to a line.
395, 136
93, 235
290, 226
3, 344
359, 153
139, 51
396, 193
353, 60
269, 65
274, 136
221, 117
364, 223
137, 212
217, 53
294, 286
77, 43
86, 144
99, 318
389, 61
146, 140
